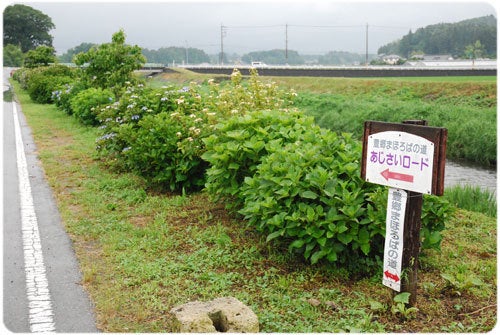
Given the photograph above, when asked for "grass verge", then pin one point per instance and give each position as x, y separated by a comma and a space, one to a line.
473, 198
142, 253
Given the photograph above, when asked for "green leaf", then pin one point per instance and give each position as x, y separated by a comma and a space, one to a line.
332, 256
365, 248
310, 214
434, 238
330, 188
344, 238
297, 244
272, 236
309, 247
239, 134
341, 228
376, 306
317, 256
233, 166
363, 236
403, 297
308, 195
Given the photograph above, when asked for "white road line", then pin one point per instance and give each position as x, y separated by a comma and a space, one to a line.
37, 286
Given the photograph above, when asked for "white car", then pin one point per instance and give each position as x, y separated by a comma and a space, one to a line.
258, 64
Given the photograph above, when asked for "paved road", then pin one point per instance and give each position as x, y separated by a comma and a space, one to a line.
41, 276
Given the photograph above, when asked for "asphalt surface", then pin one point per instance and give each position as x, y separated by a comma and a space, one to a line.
71, 308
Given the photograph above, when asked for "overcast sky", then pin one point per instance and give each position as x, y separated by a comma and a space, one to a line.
314, 26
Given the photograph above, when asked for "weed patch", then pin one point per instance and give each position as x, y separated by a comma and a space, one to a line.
472, 198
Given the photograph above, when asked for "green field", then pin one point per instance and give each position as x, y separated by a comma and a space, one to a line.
142, 252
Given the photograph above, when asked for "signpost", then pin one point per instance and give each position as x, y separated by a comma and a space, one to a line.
404, 155
401, 160
393, 250
408, 157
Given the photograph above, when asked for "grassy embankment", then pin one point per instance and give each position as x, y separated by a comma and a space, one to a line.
142, 253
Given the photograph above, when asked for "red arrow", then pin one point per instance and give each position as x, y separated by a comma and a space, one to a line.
392, 276
396, 175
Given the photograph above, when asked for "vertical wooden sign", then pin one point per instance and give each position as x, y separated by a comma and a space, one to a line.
410, 158
394, 230
404, 150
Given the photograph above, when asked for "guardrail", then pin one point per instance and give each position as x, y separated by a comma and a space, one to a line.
351, 71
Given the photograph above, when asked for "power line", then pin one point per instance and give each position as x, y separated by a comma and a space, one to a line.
391, 27
256, 27
322, 26
312, 26
225, 29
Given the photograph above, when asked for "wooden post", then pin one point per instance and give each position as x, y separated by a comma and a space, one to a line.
411, 245
411, 237
416, 168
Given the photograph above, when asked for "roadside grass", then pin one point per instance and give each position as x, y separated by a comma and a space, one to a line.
472, 198
470, 117
8, 95
141, 253
471, 128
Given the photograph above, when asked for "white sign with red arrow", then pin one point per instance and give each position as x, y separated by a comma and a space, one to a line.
400, 160
394, 228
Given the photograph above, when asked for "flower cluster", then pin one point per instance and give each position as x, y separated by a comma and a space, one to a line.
159, 132
62, 97
240, 98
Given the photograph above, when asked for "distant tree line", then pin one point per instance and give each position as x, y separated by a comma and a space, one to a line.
342, 58
181, 55
448, 38
274, 57
177, 55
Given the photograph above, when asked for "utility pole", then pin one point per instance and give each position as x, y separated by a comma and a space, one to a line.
222, 34
366, 55
286, 44
187, 55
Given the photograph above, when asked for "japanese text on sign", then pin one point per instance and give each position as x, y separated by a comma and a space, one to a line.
404, 161
393, 249
401, 160
400, 146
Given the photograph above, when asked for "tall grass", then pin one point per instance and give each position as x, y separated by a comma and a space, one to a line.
472, 198
470, 119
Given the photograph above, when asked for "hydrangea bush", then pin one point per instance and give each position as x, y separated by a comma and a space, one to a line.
301, 184
239, 144
85, 104
41, 81
245, 144
310, 193
63, 94
159, 132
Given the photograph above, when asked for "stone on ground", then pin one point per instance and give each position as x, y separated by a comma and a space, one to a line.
226, 314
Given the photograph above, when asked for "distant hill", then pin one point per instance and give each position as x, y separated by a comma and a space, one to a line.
447, 38
277, 57
178, 55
